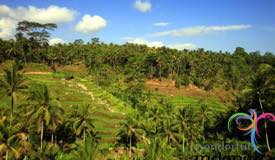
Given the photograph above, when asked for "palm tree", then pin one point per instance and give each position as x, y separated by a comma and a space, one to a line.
154, 118
12, 144
170, 131
182, 125
48, 152
204, 113
22, 43
12, 82
261, 89
44, 110
14, 51
188, 126
88, 150
158, 149
130, 130
5, 146
56, 118
81, 121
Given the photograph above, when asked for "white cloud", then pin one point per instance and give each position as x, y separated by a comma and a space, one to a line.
148, 43
161, 24
4, 10
91, 24
52, 14
142, 6
198, 30
179, 46
56, 40
7, 28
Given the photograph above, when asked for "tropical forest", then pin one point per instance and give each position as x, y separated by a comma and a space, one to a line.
96, 100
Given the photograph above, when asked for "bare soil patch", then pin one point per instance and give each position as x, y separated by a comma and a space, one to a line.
167, 87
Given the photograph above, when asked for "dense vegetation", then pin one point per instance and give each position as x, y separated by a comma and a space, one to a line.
38, 122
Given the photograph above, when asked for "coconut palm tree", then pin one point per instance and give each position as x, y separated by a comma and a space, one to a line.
130, 130
6, 147
12, 144
182, 125
82, 122
260, 90
87, 150
153, 115
56, 118
43, 109
204, 114
11, 84
14, 51
49, 151
158, 149
170, 131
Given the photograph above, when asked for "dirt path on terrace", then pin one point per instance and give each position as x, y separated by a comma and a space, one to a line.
37, 73
32, 73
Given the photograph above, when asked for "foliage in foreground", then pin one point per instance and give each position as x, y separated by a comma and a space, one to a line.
156, 129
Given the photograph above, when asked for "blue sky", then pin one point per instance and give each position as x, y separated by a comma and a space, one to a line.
210, 24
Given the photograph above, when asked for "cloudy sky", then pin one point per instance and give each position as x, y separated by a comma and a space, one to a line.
210, 24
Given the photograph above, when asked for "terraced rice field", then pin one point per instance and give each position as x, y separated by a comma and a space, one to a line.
108, 113
214, 107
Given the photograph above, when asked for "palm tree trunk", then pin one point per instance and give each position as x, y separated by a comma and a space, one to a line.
52, 138
41, 136
183, 141
24, 55
151, 70
12, 104
265, 127
160, 70
84, 135
55, 140
130, 152
7, 154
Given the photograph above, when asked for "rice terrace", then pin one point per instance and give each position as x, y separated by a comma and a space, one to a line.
137, 80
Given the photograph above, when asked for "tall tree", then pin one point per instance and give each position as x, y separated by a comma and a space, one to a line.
261, 91
37, 31
82, 122
130, 130
13, 144
11, 84
23, 45
87, 150
43, 110
158, 149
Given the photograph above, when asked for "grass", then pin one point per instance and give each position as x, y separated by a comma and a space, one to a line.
214, 106
109, 111
33, 67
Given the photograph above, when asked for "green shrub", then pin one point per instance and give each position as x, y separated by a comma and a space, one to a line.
185, 80
208, 86
182, 80
57, 75
198, 82
69, 76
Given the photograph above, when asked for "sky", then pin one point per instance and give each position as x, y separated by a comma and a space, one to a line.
211, 24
